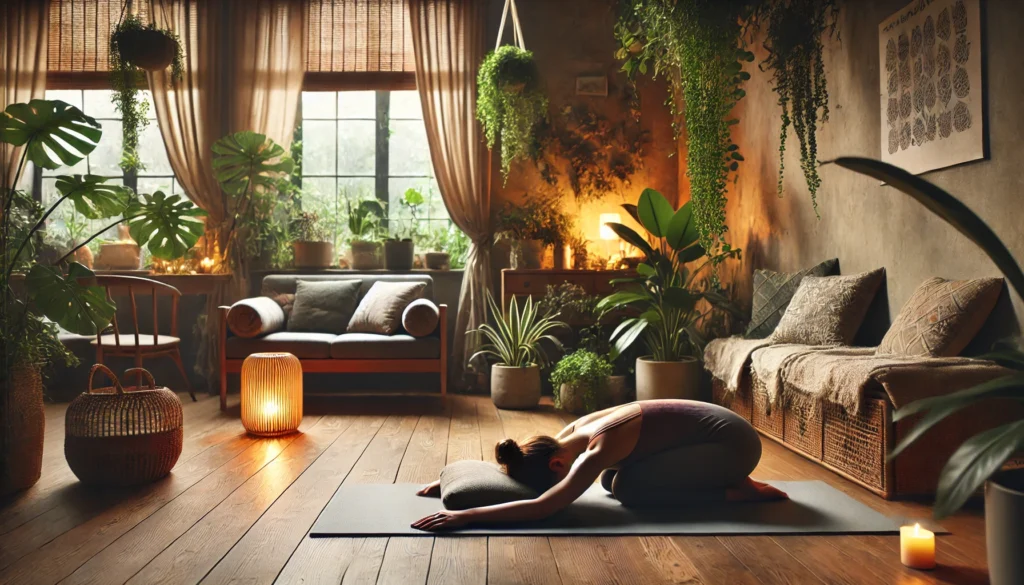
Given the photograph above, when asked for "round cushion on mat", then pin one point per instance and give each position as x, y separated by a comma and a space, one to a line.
471, 484
420, 318
256, 316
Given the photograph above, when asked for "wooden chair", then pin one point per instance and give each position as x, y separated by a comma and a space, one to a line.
141, 345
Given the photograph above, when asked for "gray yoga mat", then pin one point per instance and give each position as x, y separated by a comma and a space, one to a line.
814, 508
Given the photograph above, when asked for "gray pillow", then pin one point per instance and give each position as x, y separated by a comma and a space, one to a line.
772, 293
380, 311
420, 318
323, 306
471, 484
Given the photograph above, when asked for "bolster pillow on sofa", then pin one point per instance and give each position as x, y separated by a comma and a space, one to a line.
255, 316
420, 318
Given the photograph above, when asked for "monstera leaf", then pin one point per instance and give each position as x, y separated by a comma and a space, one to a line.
247, 158
165, 224
64, 300
55, 133
92, 197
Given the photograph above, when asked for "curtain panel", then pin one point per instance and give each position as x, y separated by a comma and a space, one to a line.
23, 51
448, 42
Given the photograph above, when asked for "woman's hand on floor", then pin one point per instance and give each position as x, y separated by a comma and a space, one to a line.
443, 520
431, 490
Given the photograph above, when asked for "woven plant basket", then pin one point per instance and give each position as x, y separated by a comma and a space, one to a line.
118, 436
21, 452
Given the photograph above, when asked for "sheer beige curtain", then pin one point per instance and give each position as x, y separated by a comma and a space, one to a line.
448, 40
23, 42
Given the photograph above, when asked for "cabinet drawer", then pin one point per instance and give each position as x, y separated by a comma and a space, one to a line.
537, 284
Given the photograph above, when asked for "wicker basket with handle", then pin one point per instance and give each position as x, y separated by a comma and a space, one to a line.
118, 437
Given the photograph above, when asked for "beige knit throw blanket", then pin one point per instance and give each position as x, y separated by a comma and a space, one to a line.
842, 375
727, 358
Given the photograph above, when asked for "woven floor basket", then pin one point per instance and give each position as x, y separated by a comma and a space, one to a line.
120, 436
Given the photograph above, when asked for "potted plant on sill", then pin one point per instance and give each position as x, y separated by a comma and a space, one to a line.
38, 298
530, 228
364, 219
399, 249
514, 341
666, 303
980, 459
581, 382
312, 245
449, 247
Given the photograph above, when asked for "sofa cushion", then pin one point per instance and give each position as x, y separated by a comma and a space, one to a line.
323, 307
281, 285
941, 317
828, 310
380, 311
301, 345
472, 484
420, 318
371, 346
255, 316
772, 293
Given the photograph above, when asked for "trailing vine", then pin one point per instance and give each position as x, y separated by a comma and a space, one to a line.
510, 102
793, 31
700, 41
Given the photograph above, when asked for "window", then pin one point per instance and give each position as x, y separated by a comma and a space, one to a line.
367, 144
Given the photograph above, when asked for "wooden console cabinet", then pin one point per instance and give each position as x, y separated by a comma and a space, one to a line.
534, 282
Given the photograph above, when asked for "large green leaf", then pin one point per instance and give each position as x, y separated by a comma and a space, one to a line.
165, 224
945, 206
74, 306
973, 463
247, 158
628, 331
680, 298
682, 230
56, 134
632, 238
92, 197
622, 299
655, 212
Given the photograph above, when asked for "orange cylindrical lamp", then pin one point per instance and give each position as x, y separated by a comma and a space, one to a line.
271, 394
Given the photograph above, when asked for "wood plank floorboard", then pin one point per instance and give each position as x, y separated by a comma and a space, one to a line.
237, 509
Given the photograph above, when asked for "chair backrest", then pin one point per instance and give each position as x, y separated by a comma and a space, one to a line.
133, 286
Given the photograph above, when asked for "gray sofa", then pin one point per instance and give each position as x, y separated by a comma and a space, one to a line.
344, 353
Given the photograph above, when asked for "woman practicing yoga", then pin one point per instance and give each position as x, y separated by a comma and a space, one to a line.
676, 452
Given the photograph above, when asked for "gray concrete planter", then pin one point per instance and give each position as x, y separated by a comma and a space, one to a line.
398, 254
1004, 527
515, 388
661, 380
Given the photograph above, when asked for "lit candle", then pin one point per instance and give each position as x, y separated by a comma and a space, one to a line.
206, 264
917, 547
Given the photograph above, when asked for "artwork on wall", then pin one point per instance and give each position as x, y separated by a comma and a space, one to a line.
931, 90
592, 85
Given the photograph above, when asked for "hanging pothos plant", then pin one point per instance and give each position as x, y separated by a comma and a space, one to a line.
134, 49
793, 31
697, 44
510, 102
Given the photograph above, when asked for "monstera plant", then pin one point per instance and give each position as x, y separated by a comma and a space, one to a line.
37, 297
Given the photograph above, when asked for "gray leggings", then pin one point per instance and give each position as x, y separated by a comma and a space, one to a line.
686, 474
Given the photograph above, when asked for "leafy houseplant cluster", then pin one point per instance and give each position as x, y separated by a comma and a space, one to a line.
510, 102
134, 48
448, 238
399, 248
583, 375
531, 226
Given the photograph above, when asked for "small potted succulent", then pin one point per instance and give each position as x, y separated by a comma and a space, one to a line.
312, 246
581, 382
364, 219
399, 249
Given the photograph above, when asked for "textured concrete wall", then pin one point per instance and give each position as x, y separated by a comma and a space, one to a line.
862, 223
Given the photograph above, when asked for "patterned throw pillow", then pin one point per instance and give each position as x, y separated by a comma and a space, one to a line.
941, 317
828, 310
323, 306
381, 309
772, 293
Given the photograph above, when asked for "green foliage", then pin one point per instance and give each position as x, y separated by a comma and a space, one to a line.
585, 371
55, 133
510, 102
793, 32
246, 161
63, 299
365, 217
407, 228
126, 80
535, 218
515, 337
165, 224
985, 453
92, 197
308, 227
449, 238
700, 42
666, 303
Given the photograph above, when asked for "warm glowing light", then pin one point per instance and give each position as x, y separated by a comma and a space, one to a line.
206, 264
917, 547
608, 233
271, 393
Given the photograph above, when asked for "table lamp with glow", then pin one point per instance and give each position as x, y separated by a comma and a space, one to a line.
271, 394
606, 232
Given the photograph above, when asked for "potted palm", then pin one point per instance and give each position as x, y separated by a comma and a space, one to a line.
312, 246
665, 302
364, 218
399, 248
514, 342
40, 297
581, 381
980, 459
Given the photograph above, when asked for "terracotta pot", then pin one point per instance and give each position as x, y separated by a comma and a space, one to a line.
1004, 527
150, 50
438, 261
365, 256
658, 380
515, 388
313, 254
21, 448
398, 254
532, 253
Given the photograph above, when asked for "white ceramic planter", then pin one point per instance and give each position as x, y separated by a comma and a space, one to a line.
515, 388
1004, 527
661, 380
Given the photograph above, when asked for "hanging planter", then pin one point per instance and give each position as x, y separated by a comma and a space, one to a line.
510, 102
134, 49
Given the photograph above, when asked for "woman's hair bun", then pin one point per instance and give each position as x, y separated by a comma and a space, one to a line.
508, 453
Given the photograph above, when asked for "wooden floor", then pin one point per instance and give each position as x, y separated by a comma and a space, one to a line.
238, 509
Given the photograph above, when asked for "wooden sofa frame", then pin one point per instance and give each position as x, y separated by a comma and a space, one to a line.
343, 366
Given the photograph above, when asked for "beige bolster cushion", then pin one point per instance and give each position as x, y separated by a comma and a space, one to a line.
420, 318
256, 316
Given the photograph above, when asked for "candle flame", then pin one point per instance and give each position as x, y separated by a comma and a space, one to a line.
917, 529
